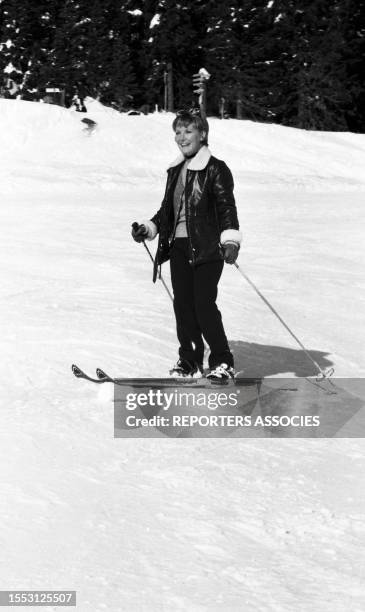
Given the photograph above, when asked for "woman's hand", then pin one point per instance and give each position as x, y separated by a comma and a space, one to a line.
139, 232
230, 252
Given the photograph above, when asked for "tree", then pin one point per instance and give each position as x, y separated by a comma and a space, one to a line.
354, 54
91, 54
241, 54
29, 28
297, 63
314, 83
177, 39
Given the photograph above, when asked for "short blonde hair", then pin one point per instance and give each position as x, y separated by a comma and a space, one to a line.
186, 118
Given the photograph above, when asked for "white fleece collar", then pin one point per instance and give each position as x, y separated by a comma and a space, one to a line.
198, 162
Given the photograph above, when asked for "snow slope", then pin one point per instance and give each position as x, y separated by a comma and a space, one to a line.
48, 142
151, 524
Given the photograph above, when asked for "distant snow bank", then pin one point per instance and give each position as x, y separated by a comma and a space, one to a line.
49, 147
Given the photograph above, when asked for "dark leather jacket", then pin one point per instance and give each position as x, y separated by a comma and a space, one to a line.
209, 208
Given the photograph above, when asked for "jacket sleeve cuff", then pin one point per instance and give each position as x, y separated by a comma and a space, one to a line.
151, 229
231, 235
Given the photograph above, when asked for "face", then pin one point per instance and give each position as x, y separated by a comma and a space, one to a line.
188, 139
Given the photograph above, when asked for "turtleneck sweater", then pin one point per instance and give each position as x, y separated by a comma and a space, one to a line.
179, 203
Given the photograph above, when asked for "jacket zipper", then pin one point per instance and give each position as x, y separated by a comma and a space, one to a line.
187, 213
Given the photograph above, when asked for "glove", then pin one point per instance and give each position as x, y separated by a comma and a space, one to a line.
139, 232
230, 253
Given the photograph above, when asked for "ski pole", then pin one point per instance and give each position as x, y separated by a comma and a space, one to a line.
323, 373
135, 226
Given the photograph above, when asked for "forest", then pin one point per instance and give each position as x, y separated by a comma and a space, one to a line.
296, 63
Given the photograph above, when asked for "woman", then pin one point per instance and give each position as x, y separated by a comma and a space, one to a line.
198, 230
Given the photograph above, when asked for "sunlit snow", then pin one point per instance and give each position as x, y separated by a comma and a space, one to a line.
162, 524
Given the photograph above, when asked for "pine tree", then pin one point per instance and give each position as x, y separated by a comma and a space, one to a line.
91, 54
144, 31
119, 81
314, 84
297, 63
177, 40
140, 13
354, 54
29, 28
242, 55
70, 55
120, 85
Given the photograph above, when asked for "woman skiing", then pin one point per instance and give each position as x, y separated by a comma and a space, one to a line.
198, 230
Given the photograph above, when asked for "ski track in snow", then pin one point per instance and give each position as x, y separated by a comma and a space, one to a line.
197, 524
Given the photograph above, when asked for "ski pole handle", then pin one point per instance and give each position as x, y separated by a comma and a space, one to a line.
139, 232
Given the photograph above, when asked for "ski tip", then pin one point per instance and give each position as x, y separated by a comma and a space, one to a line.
101, 374
76, 371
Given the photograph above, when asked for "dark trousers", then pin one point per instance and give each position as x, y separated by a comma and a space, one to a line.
197, 316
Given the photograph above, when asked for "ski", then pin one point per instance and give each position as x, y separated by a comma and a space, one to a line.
104, 377
196, 383
80, 374
101, 375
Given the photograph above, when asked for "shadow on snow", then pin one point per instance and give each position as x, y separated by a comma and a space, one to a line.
260, 360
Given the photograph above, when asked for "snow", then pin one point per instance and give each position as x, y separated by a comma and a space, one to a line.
155, 20
10, 68
151, 524
136, 12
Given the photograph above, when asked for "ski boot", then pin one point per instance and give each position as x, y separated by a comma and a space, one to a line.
221, 374
186, 369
